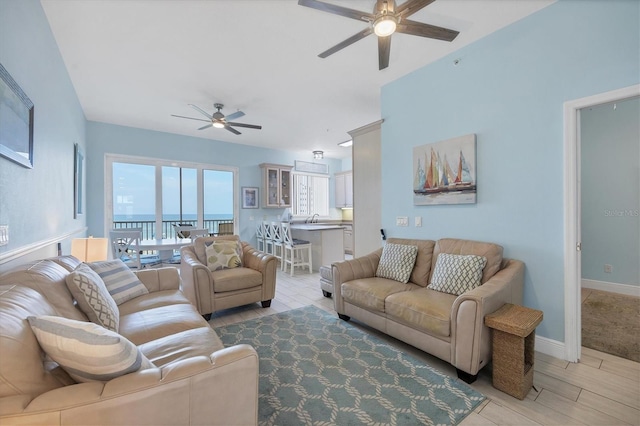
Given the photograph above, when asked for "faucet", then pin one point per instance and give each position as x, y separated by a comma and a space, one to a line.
314, 217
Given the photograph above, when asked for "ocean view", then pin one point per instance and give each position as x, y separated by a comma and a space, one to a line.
169, 217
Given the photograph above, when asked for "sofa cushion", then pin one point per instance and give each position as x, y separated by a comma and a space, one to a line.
122, 283
492, 252
223, 255
93, 298
370, 293
457, 273
423, 309
49, 279
235, 279
151, 324
200, 245
152, 300
422, 268
87, 351
22, 371
200, 341
396, 262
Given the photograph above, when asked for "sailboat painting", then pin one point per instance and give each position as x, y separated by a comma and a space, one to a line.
445, 172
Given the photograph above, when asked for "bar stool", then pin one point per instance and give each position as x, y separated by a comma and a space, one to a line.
260, 237
277, 242
267, 231
294, 251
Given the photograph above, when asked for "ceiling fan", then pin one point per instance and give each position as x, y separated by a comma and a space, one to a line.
219, 120
386, 19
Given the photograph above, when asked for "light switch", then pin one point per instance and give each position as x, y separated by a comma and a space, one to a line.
402, 221
4, 235
418, 221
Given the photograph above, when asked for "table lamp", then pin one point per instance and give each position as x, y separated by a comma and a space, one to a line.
90, 249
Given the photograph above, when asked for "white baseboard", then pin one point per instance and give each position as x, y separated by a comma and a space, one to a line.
550, 347
626, 289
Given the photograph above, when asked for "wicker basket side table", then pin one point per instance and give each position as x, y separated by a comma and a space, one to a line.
513, 348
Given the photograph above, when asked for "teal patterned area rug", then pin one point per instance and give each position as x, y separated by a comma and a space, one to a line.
316, 369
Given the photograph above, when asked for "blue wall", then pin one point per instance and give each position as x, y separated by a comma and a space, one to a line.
610, 153
37, 203
107, 138
509, 89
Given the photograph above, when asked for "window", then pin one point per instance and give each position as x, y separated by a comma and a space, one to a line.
310, 195
155, 195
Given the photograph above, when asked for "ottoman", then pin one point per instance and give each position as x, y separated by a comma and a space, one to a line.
326, 280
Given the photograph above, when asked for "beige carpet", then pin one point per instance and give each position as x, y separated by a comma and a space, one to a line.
611, 324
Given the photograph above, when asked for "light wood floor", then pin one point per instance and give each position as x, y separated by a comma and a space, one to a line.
600, 390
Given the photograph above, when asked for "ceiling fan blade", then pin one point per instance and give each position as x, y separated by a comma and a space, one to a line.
231, 129
362, 34
233, 116
190, 118
384, 50
337, 10
410, 7
206, 126
201, 111
426, 30
248, 126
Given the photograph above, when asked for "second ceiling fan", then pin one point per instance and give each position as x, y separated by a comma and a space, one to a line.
219, 120
386, 19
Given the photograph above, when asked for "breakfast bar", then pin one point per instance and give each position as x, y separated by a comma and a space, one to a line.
327, 242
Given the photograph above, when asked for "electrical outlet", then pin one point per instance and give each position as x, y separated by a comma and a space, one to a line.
4, 235
402, 221
418, 221
608, 268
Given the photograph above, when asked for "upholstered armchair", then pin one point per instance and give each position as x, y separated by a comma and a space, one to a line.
211, 291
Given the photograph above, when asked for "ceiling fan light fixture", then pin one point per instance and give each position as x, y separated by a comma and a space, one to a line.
385, 25
318, 155
218, 125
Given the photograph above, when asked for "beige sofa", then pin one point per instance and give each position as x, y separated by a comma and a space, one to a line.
195, 379
447, 326
211, 291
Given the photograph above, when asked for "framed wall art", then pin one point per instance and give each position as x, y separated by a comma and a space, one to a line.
16, 122
445, 172
249, 197
78, 177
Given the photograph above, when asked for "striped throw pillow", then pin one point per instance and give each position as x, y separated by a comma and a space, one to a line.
87, 351
93, 298
457, 273
396, 262
122, 283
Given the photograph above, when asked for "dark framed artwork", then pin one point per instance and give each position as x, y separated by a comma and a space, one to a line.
78, 177
16, 122
249, 197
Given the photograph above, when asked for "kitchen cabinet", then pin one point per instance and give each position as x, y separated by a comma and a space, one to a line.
276, 182
344, 189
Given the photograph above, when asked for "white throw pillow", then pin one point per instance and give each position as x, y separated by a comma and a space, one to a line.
457, 273
87, 351
396, 262
93, 298
120, 281
223, 254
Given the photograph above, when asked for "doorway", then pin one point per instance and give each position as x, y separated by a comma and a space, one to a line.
572, 216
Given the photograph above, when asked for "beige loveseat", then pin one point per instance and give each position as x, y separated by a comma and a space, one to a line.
195, 380
213, 291
445, 325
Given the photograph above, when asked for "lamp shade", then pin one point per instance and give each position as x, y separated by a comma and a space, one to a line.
90, 249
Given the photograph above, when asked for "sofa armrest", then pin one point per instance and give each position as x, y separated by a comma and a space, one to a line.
353, 269
264, 263
159, 279
197, 283
221, 389
470, 338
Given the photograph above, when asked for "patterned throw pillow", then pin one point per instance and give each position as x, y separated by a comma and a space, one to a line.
224, 254
92, 296
396, 262
456, 273
121, 282
85, 350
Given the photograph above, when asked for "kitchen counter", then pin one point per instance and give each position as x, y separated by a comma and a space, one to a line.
327, 241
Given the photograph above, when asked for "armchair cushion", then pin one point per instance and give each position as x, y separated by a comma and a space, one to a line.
223, 255
122, 283
93, 298
457, 274
235, 279
87, 351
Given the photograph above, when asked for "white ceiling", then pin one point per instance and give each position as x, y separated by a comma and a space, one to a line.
136, 62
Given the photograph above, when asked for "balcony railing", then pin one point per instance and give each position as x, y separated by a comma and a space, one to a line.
149, 227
